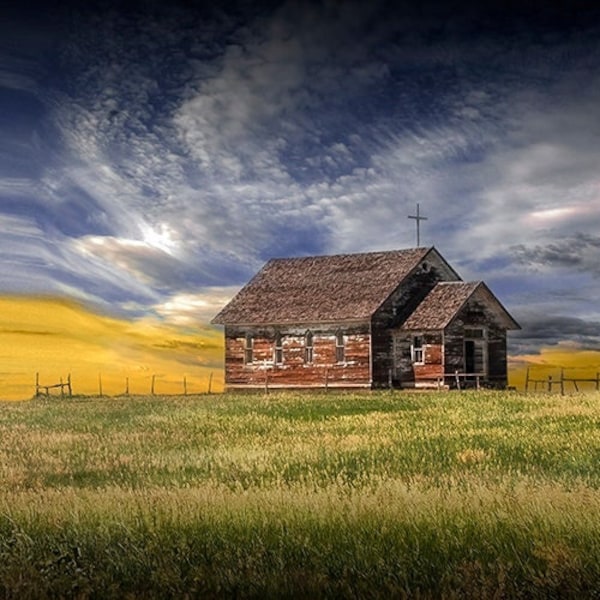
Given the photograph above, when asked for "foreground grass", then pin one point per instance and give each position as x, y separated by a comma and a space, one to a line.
404, 495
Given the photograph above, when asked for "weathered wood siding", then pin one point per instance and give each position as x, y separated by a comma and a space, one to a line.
294, 371
407, 374
477, 314
444, 351
398, 307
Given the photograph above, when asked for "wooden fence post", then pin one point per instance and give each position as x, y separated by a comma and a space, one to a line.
127, 386
37, 385
457, 379
597, 381
562, 381
100, 384
152, 385
210, 382
184, 386
266, 381
549, 383
69, 388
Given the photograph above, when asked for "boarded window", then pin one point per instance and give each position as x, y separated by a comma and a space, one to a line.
418, 350
249, 349
308, 347
278, 349
474, 333
339, 347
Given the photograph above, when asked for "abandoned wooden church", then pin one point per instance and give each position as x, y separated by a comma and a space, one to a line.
400, 318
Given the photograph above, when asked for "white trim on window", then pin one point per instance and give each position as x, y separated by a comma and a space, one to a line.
340, 347
278, 350
417, 350
248, 349
308, 347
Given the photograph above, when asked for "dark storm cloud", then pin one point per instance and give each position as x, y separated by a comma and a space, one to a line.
580, 252
544, 331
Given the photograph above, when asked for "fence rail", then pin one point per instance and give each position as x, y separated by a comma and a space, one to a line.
550, 382
39, 387
66, 388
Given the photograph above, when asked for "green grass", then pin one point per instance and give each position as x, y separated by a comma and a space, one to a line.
301, 495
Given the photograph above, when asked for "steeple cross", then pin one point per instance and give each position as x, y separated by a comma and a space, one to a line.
418, 218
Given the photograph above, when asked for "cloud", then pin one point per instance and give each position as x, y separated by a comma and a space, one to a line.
551, 330
192, 309
579, 252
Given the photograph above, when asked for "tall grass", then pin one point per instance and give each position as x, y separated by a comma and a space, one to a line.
357, 495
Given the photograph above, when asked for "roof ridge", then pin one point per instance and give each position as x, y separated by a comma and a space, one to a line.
424, 249
477, 282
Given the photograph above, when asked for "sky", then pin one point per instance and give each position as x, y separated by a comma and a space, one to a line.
154, 155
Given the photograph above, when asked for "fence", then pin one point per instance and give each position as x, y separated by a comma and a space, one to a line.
66, 388
550, 382
47, 388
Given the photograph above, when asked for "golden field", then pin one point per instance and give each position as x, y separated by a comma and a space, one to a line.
56, 337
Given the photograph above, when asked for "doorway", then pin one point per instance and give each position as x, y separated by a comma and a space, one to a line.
475, 349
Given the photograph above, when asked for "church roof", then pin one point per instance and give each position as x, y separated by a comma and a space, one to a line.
446, 299
321, 288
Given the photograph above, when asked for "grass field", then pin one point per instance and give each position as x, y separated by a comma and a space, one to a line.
465, 495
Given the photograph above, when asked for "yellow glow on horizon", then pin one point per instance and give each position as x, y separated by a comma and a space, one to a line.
58, 337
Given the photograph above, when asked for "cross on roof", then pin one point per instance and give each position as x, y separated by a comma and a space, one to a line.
418, 218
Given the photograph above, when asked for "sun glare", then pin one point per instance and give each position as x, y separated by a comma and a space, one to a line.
160, 237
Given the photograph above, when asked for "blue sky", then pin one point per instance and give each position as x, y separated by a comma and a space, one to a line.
153, 157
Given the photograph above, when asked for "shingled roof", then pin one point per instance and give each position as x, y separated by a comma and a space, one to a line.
444, 301
321, 288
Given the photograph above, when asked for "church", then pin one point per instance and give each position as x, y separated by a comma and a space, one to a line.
399, 319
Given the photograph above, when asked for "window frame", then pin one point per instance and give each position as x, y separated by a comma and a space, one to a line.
278, 349
340, 347
417, 350
309, 347
248, 349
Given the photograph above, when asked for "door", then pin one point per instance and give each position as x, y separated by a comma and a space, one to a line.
475, 351
470, 356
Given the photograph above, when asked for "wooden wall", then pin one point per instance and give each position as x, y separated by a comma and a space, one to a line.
478, 313
445, 350
405, 373
294, 371
399, 306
